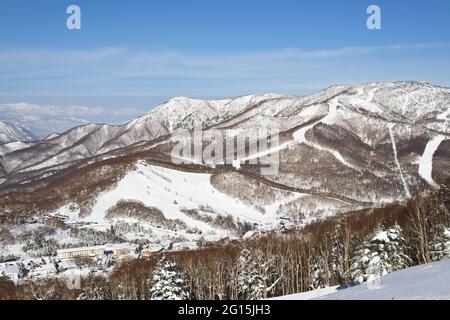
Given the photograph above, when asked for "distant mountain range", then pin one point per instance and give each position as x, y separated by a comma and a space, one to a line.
10, 132
39, 119
345, 148
44, 120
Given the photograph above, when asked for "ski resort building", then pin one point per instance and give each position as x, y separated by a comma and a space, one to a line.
81, 252
119, 250
11, 271
151, 250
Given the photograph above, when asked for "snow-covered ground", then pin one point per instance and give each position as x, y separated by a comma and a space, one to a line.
329, 119
424, 282
426, 161
397, 162
300, 137
173, 191
309, 295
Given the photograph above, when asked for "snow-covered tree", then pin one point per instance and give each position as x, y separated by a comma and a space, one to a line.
168, 282
251, 283
318, 266
380, 254
440, 247
94, 289
338, 251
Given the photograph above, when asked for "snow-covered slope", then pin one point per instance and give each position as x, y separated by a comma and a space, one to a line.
426, 160
184, 112
308, 295
81, 143
176, 193
10, 133
429, 281
171, 190
14, 146
424, 282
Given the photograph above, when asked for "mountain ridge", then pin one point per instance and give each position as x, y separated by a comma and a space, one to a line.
12, 133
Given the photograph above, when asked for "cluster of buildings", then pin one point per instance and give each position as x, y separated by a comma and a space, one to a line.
65, 259
10, 271
28, 268
119, 250
122, 250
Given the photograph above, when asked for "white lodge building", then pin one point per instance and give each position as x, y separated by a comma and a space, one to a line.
81, 252
118, 249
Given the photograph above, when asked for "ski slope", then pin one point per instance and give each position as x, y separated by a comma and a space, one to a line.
300, 137
397, 162
426, 160
171, 191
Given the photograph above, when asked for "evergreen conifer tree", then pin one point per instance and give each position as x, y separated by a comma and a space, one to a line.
251, 283
380, 254
168, 283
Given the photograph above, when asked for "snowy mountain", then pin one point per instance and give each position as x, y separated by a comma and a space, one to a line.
93, 139
342, 149
11, 133
423, 282
39, 119
184, 112
44, 120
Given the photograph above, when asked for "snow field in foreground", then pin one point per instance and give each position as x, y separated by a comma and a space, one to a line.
429, 281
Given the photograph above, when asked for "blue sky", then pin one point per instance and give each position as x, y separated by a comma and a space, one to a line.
138, 53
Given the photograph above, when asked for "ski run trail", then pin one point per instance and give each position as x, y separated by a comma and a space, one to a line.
426, 160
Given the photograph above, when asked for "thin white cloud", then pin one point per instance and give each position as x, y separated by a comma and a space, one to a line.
115, 69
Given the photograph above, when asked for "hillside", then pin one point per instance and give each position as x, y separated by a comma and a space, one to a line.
13, 133
423, 282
